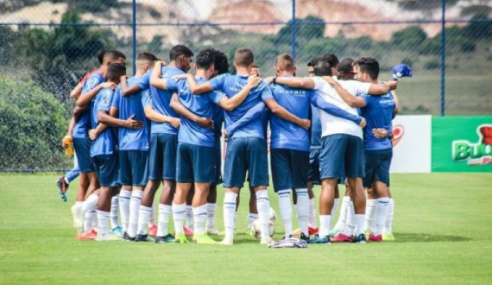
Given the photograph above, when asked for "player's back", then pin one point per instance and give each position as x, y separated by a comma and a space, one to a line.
82, 126
105, 142
378, 113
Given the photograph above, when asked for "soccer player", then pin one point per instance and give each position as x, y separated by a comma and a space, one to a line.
246, 149
88, 179
342, 147
163, 139
290, 144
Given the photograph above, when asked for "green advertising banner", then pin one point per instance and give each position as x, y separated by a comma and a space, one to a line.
462, 144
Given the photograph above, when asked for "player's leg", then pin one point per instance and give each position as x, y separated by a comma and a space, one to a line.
189, 211
82, 151
184, 179
371, 165
388, 229
370, 209
282, 184
212, 196
253, 210
313, 179
381, 181
344, 213
299, 168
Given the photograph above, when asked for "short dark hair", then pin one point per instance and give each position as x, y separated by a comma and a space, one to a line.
322, 68
179, 50
313, 61
285, 62
331, 59
205, 58
116, 70
368, 65
100, 56
221, 62
146, 56
244, 57
346, 66
113, 55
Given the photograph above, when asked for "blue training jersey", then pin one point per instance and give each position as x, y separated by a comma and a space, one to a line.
132, 139
378, 113
203, 105
218, 119
83, 125
105, 141
161, 99
285, 134
315, 128
231, 85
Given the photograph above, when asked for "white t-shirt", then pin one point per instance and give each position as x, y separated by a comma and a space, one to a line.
330, 124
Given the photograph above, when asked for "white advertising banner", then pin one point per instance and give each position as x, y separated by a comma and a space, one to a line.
412, 144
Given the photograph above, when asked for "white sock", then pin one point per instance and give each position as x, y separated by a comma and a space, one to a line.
251, 219
103, 222
114, 212
229, 213
189, 217
124, 201
285, 211
236, 215
312, 213
200, 217
336, 203
134, 208
303, 210
381, 215
324, 225
144, 214
66, 180
165, 212
89, 209
263, 205
359, 222
211, 208
370, 212
350, 223
152, 215
179, 211
389, 218
342, 219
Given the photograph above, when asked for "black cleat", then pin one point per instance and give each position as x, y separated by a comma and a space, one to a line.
126, 237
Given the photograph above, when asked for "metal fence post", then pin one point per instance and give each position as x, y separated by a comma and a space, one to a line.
134, 35
293, 32
443, 59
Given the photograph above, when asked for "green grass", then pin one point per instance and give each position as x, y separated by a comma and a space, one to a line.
442, 225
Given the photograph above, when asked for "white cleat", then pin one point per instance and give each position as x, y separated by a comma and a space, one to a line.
108, 237
212, 230
266, 240
77, 217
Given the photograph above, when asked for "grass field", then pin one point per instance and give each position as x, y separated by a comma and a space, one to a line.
443, 226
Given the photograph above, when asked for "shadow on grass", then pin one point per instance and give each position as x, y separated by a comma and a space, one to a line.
412, 237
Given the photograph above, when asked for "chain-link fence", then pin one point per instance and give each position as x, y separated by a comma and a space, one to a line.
47, 46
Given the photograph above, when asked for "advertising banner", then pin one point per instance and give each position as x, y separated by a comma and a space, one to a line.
411, 144
462, 144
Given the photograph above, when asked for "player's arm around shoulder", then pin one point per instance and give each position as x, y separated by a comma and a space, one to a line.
294, 82
155, 78
347, 97
231, 103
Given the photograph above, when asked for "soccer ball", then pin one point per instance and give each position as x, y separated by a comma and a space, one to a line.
256, 228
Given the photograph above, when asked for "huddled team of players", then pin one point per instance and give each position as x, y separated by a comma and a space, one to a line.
165, 125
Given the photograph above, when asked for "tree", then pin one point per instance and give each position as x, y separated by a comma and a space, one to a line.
409, 38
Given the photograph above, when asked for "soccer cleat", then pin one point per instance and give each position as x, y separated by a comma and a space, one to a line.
335, 231
312, 231
203, 239
341, 237
126, 237
361, 238
304, 237
376, 238
165, 239
227, 241
77, 217
62, 188
143, 238
87, 236
266, 240
388, 237
368, 233
118, 231
212, 230
187, 232
153, 230
181, 238
320, 240
108, 237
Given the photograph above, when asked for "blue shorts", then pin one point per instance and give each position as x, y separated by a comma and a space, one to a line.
342, 155
218, 163
134, 167
82, 147
313, 174
378, 166
107, 169
289, 168
162, 156
195, 163
246, 155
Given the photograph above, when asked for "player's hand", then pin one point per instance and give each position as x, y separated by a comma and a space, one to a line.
161, 63
110, 85
130, 123
93, 134
401, 70
363, 123
380, 133
205, 122
254, 80
269, 79
305, 123
175, 122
